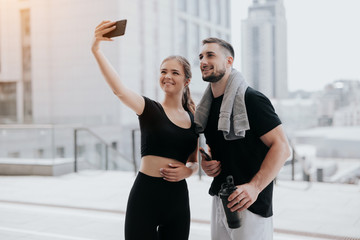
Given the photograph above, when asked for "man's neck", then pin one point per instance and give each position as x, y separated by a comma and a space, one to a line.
218, 88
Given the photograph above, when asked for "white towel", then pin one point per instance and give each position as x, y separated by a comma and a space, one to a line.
233, 120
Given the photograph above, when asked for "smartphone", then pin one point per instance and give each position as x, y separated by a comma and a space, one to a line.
119, 30
207, 157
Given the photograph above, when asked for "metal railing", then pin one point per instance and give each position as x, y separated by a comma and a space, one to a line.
118, 160
44, 143
31, 140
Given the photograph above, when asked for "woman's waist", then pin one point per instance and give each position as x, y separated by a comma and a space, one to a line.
151, 165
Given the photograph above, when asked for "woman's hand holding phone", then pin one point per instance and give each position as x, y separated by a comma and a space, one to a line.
101, 29
119, 30
106, 30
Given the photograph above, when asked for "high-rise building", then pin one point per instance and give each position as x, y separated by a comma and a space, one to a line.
47, 71
264, 48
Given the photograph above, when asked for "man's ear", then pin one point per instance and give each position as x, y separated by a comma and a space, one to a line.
229, 60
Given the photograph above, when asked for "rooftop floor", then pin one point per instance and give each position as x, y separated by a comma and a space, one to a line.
91, 204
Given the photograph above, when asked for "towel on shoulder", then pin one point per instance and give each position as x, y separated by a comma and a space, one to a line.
233, 120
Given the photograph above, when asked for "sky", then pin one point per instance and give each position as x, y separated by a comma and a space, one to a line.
323, 40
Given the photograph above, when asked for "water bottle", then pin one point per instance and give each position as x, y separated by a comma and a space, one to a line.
226, 190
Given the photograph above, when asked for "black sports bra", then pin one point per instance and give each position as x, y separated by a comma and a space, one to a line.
161, 137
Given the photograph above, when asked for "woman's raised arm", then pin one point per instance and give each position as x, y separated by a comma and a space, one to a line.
130, 98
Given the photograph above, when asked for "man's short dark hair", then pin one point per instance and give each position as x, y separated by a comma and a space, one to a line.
224, 44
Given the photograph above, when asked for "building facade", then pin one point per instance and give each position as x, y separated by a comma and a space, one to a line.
49, 76
264, 48
339, 103
348, 116
47, 73
296, 114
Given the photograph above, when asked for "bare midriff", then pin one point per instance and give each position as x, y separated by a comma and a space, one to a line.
150, 165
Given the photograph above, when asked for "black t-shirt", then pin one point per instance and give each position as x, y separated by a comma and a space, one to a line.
242, 158
161, 137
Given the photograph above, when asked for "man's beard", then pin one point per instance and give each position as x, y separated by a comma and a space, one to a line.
215, 77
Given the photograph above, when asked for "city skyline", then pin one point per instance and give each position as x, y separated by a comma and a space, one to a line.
325, 32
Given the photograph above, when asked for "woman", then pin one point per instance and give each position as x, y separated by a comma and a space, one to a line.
158, 205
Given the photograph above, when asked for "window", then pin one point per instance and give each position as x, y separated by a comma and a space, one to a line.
227, 13
194, 7
217, 12
255, 55
26, 63
7, 102
195, 43
182, 46
27, 101
205, 9
182, 5
256, 41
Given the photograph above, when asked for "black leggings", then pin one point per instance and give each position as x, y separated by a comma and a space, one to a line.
157, 209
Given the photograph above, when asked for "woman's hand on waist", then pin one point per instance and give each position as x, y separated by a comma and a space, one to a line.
175, 172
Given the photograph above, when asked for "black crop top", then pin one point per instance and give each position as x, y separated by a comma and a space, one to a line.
161, 137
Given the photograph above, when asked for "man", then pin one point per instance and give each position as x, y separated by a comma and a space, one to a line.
246, 140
